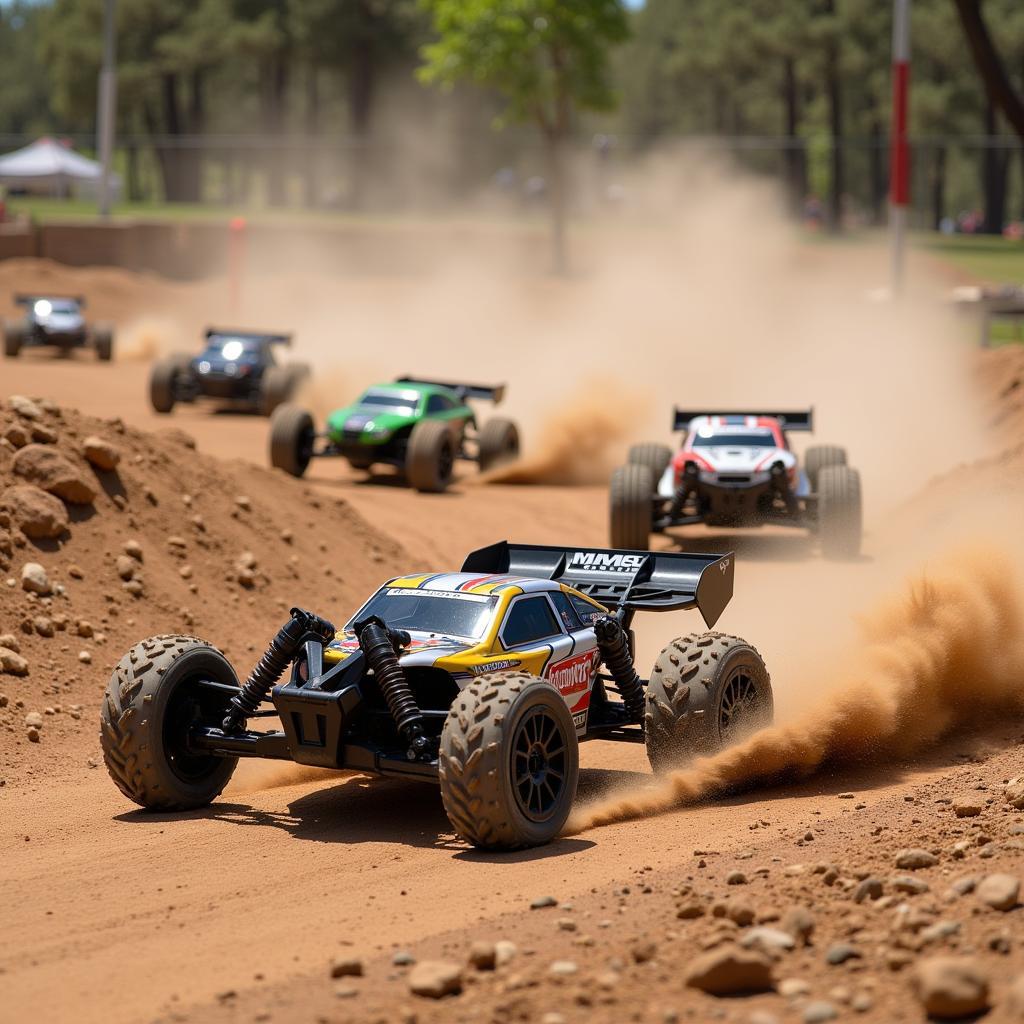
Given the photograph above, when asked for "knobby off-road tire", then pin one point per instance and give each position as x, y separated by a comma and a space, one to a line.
14, 337
291, 439
497, 443
150, 704
502, 786
280, 384
839, 512
707, 691
430, 459
655, 457
820, 456
631, 504
163, 379
103, 344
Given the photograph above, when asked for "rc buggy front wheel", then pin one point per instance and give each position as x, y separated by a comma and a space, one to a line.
707, 691
631, 506
655, 457
509, 762
163, 382
291, 439
280, 384
14, 337
430, 459
153, 700
103, 344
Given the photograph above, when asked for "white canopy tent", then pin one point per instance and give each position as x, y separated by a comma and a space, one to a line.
47, 167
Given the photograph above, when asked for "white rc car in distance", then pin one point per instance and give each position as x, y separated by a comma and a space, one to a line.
738, 469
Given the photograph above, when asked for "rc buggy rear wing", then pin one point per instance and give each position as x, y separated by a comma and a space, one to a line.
656, 581
486, 392
791, 420
271, 339
30, 300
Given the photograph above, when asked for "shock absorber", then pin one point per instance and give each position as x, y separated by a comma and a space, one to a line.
268, 669
686, 485
613, 643
380, 645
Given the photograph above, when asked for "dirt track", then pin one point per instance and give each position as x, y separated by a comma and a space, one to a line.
112, 915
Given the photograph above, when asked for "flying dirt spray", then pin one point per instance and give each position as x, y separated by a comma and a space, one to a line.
948, 654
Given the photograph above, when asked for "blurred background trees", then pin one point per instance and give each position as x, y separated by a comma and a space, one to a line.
320, 103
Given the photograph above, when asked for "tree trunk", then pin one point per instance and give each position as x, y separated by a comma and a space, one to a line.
878, 173
993, 177
796, 162
174, 187
362, 81
1000, 89
275, 86
833, 89
311, 179
939, 187
555, 152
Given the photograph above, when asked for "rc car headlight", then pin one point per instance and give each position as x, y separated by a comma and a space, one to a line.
43, 307
204, 367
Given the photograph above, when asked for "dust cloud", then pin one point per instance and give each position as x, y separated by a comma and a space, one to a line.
946, 655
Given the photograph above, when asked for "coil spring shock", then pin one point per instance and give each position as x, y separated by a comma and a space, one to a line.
379, 644
275, 660
613, 643
683, 491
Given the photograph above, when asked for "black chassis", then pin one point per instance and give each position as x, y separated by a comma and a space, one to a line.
394, 451
339, 718
190, 384
739, 503
38, 335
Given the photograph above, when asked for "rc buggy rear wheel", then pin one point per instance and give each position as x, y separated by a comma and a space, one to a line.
707, 691
14, 338
509, 762
103, 344
631, 504
430, 459
163, 381
291, 439
153, 699
839, 512
820, 456
279, 385
655, 457
497, 443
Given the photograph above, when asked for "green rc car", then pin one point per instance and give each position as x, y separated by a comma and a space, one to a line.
419, 426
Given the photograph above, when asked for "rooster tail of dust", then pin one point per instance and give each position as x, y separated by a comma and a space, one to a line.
947, 654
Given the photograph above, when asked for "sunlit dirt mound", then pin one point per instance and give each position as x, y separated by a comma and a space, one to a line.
166, 540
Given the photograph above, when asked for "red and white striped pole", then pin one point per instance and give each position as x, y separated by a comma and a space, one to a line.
899, 150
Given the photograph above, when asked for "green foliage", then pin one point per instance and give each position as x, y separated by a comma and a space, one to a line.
543, 56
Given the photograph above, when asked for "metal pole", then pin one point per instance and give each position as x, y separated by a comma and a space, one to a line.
899, 150
106, 107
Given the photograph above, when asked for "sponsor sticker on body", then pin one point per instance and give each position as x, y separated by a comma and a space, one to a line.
601, 561
572, 676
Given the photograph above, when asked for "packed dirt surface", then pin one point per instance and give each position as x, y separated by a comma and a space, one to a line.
779, 870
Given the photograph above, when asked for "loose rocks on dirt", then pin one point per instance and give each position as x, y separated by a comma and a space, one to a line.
347, 967
12, 663
915, 860
102, 454
729, 970
37, 514
34, 579
950, 987
435, 979
49, 469
999, 891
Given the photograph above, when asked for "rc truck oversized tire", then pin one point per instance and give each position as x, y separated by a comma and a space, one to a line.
655, 457
103, 343
291, 439
839, 512
163, 380
275, 389
509, 762
631, 504
498, 443
14, 337
152, 701
707, 691
430, 459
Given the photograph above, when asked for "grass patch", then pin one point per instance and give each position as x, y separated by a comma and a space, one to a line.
987, 258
